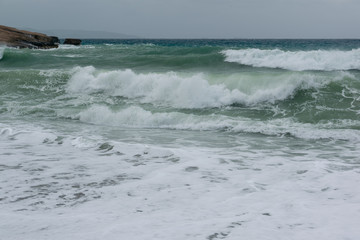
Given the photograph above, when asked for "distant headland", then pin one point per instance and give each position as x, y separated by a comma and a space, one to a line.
13, 37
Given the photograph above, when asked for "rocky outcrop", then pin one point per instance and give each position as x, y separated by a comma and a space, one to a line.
13, 37
72, 41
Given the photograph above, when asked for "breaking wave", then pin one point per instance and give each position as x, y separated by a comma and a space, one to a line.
327, 60
137, 117
2, 50
194, 90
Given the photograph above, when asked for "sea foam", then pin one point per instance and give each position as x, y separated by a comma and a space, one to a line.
137, 117
2, 50
192, 91
327, 60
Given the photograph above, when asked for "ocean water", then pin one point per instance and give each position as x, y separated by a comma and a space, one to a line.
181, 139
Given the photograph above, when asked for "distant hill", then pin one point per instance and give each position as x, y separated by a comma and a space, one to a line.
82, 34
86, 34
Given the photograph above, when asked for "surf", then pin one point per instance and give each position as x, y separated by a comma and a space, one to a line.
137, 117
2, 50
322, 60
196, 90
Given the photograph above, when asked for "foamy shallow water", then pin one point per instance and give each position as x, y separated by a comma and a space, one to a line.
86, 186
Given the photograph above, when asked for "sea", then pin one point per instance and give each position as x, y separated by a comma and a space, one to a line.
190, 139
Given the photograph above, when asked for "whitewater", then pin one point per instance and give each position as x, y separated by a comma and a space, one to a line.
296, 60
181, 139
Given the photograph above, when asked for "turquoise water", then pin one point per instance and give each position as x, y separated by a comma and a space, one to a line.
270, 128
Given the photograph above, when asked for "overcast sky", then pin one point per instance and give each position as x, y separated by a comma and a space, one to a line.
191, 18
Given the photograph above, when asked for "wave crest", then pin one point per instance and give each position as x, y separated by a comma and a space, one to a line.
137, 117
296, 60
191, 91
2, 50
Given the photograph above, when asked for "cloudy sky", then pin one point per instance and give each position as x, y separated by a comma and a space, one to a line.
191, 18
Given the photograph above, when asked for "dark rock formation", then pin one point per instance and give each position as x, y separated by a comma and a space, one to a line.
13, 37
72, 41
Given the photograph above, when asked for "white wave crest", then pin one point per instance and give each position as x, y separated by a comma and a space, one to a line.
2, 50
191, 91
296, 60
137, 117
65, 46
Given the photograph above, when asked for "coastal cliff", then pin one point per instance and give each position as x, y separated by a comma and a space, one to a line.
13, 37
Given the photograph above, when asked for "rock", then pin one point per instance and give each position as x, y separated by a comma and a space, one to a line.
72, 41
55, 40
13, 37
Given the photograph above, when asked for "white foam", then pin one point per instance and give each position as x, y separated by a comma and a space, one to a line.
137, 117
72, 189
192, 91
5, 132
327, 60
2, 50
67, 46
71, 47
68, 55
